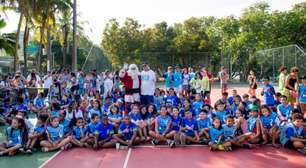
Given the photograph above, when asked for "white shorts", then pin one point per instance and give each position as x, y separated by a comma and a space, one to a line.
132, 98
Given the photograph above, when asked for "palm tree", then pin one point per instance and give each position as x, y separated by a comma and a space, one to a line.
7, 40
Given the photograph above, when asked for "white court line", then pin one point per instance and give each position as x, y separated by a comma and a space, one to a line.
166, 146
47, 161
127, 158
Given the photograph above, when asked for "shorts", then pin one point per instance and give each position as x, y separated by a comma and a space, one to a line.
146, 99
289, 145
186, 87
224, 86
178, 89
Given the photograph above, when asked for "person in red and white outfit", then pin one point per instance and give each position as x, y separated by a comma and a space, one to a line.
130, 77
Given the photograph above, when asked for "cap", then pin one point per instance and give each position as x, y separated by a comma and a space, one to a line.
253, 107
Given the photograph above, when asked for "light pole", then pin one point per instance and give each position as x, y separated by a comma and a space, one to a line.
74, 45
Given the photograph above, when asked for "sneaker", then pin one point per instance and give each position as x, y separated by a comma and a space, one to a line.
154, 142
29, 151
204, 142
22, 150
247, 146
1, 153
303, 150
172, 144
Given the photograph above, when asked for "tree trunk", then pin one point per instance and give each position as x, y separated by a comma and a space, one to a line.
16, 58
74, 45
65, 45
25, 43
49, 45
38, 59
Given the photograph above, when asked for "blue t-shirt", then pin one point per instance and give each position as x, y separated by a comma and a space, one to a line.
172, 100
14, 136
131, 128
197, 106
39, 129
183, 110
268, 121
229, 131
66, 124
162, 123
169, 80
230, 100
204, 123
92, 127
214, 133
192, 124
95, 111
268, 95
80, 132
302, 93
178, 79
284, 110
176, 123
252, 121
135, 117
55, 133
222, 116
39, 102
114, 116
291, 131
105, 131
81, 82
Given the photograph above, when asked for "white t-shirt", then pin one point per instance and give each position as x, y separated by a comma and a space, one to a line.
47, 82
148, 80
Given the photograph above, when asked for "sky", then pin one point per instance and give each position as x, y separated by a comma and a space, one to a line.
97, 13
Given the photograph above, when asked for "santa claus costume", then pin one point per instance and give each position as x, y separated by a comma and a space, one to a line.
132, 81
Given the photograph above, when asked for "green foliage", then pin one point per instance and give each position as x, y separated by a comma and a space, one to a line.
227, 39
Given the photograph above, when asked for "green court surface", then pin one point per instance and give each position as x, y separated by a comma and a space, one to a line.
23, 160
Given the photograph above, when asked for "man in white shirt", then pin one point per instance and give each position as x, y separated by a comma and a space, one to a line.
148, 80
48, 79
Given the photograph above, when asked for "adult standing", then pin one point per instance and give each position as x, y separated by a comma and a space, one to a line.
131, 80
169, 78
282, 80
224, 77
178, 80
148, 80
302, 96
47, 82
108, 84
252, 83
291, 85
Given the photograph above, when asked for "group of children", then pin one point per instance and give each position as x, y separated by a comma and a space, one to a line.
85, 121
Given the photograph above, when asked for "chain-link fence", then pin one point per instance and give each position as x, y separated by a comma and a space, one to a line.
160, 60
271, 60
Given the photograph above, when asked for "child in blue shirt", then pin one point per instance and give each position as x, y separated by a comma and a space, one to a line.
293, 134
80, 133
216, 135
38, 133
55, 137
96, 109
39, 103
189, 130
268, 93
136, 118
197, 104
93, 129
176, 122
203, 123
106, 131
127, 133
220, 112
14, 138
162, 128
284, 110
269, 129
172, 99
114, 116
